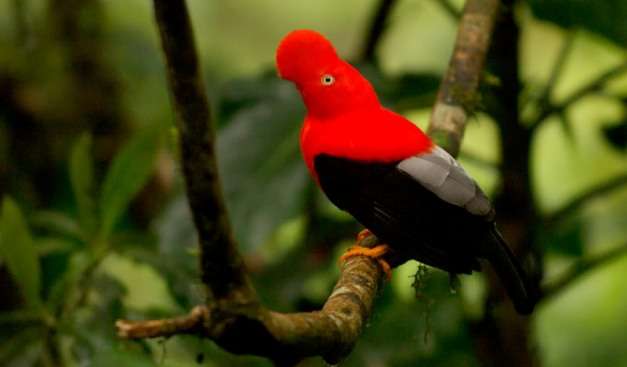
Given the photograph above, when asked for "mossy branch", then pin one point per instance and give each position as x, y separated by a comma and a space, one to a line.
458, 92
285, 338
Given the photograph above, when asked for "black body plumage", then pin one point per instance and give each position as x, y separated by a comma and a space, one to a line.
417, 223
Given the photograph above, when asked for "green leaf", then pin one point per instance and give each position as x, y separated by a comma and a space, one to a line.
57, 223
20, 347
82, 180
19, 253
604, 17
128, 173
261, 168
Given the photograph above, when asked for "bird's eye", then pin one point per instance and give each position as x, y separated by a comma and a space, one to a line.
327, 79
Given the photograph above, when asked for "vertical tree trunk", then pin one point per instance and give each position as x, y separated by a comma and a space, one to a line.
503, 337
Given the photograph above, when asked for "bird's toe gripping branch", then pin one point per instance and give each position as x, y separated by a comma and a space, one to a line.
377, 252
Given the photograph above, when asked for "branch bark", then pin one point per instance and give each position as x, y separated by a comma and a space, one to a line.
284, 338
221, 265
458, 92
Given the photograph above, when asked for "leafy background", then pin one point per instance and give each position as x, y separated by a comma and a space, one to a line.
94, 225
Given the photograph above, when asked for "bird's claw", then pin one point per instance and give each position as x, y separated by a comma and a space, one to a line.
375, 253
363, 234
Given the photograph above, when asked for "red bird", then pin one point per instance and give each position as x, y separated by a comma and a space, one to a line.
384, 171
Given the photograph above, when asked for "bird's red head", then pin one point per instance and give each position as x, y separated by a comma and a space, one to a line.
301, 52
329, 85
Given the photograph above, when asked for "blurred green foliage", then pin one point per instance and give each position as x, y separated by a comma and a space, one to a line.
94, 224
19, 253
579, 14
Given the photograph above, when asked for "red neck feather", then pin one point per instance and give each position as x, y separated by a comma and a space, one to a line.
367, 135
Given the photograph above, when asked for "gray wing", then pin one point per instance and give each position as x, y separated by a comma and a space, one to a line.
440, 173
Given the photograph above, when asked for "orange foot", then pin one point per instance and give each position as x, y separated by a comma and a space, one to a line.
375, 252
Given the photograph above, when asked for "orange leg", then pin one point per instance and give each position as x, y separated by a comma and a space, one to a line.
375, 252
363, 234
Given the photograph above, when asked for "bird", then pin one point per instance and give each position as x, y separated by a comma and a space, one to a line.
389, 175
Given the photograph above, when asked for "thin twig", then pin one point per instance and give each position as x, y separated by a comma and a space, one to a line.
478, 161
450, 9
580, 200
188, 324
544, 98
581, 268
376, 29
284, 338
458, 91
591, 87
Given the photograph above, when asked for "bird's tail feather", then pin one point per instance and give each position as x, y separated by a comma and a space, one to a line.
514, 279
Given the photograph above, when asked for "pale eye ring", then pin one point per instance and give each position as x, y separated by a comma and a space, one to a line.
327, 79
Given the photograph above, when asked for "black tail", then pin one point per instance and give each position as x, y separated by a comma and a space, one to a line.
513, 277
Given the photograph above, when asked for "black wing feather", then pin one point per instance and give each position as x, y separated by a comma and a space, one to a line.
410, 218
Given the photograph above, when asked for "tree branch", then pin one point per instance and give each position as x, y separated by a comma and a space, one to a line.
375, 30
580, 200
284, 338
478, 161
501, 336
581, 268
544, 99
597, 84
221, 265
458, 92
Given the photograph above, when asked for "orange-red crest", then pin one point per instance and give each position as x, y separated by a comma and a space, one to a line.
301, 52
